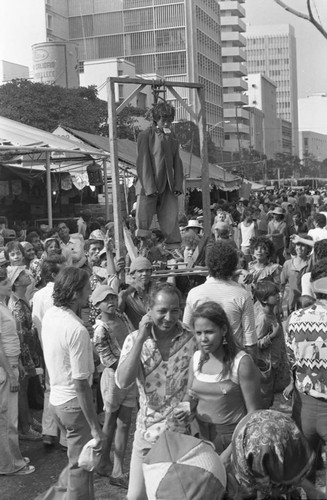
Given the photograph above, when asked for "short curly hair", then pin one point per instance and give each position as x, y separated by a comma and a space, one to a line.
319, 270
320, 249
222, 260
69, 281
263, 241
190, 240
320, 220
163, 110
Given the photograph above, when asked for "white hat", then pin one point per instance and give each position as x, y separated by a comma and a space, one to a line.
194, 223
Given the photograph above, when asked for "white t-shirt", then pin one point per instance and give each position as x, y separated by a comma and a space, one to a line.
41, 302
318, 233
306, 285
67, 352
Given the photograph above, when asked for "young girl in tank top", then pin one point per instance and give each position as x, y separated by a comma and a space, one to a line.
224, 383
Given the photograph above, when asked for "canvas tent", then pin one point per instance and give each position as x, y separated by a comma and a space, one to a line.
31, 148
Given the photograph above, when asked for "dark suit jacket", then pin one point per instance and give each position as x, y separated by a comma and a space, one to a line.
158, 162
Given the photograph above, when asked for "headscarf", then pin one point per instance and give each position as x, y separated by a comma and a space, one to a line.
269, 453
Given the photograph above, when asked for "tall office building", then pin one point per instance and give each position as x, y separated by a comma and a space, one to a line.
262, 95
271, 50
233, 44
176, 39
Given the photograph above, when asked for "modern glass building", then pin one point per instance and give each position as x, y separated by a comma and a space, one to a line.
176, 39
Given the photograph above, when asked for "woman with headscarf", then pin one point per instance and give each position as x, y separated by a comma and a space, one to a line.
271, 457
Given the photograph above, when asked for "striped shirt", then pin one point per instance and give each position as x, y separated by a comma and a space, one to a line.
236, 302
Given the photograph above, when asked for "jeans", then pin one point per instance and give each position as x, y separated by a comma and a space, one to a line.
11, 459
74, 483
165, 205
310, 414
219, 435
136, 486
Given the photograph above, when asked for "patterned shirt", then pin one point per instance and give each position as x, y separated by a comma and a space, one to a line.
162, 384
105, 342
307, 340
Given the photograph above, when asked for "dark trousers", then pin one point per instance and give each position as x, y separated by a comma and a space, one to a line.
165, 205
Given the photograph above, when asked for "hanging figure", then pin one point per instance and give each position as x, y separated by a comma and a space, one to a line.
160, 177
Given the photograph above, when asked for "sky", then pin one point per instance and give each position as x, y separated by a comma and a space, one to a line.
23, 24
311, 45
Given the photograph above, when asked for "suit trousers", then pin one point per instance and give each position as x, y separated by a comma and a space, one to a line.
165, 205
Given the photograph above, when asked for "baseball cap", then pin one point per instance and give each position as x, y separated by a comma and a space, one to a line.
97, 235
139, 264
101, 292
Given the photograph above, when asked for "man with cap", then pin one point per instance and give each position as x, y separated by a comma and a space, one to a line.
110, 332
93, 247
195, 226
134, 300
307, 340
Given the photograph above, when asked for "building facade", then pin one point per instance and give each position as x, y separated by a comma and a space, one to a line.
313, 145
234, 69
178, 39
271, 50
9, 71
262, 95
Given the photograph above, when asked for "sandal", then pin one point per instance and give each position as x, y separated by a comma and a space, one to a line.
28, 469
120, 481
26, 460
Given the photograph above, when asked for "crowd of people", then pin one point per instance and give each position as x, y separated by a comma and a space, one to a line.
197, 339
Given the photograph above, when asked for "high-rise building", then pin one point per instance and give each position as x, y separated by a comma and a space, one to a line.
262, 95
233, 43
177, 39
271, 50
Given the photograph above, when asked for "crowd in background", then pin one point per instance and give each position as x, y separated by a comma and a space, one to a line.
197, 338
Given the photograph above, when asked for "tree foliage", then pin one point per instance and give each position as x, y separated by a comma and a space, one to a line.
127, 123
187, 133
47, 106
